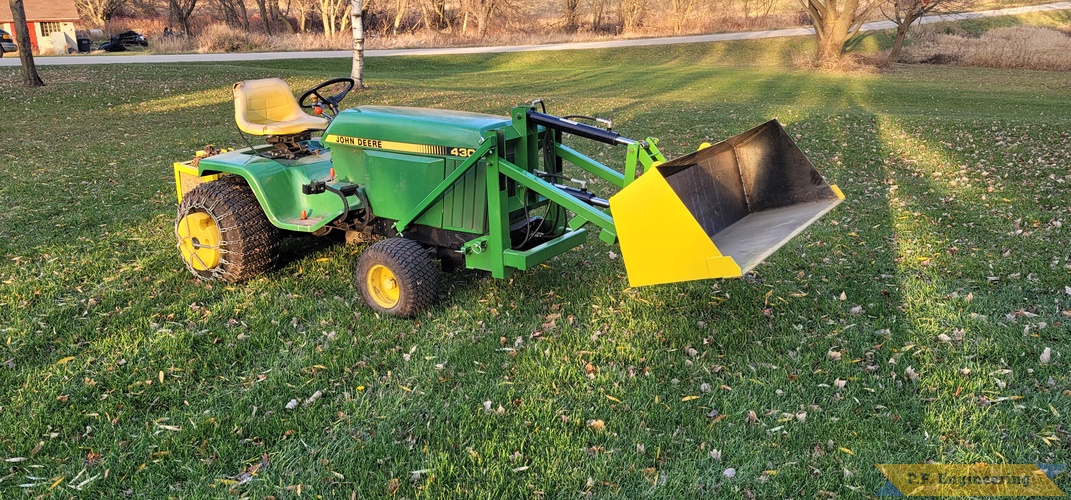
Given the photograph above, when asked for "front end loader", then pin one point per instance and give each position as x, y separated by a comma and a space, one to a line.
481, 192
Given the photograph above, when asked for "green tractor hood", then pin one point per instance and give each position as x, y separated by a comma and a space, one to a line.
411, 130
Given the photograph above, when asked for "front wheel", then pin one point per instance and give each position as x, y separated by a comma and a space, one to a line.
223, 234
398, 277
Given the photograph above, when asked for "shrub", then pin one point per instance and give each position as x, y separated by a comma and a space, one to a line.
223, 38
1020, 47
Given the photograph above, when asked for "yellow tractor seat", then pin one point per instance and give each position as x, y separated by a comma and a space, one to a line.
268, 108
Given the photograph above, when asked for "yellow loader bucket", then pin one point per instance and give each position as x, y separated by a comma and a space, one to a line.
719, 212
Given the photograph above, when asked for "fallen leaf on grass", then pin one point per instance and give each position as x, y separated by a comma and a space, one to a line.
1046, 356
417, 475
596, 425
846, 450
689, 398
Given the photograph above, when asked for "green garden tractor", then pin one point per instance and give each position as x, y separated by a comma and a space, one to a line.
480, 191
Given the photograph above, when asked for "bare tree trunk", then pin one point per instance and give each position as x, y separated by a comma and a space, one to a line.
442, 21
571, 11
682, 11
631, 13
357, 21
344, 17
22, 33
483, 11
433, 14
302, 15
262, 5
597, 9
402, 6
327, 15
277, 14
905, 12
835, 23
898, 43
425, 17
234, 13
182, 10
245, 14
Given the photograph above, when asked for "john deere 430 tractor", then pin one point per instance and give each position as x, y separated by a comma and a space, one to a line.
481, 192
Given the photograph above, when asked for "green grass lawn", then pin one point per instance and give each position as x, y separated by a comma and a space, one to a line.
907, 326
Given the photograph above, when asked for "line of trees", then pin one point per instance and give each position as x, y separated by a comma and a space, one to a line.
459, 17
834, 21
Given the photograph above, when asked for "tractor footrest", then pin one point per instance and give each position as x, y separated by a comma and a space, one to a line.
309, 222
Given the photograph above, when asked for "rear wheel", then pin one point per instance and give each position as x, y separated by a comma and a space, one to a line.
222, 232
398, 277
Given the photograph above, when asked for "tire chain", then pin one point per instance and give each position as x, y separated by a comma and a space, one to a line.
248, 241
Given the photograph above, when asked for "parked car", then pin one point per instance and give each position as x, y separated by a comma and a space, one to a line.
124, 41
7, 43
131, 37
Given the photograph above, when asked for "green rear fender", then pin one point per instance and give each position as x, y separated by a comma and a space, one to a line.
278, 190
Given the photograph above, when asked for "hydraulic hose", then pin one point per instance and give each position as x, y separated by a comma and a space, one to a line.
345, 203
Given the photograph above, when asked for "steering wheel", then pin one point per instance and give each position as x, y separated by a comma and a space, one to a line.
329, 94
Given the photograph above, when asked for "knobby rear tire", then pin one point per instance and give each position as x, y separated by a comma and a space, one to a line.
249, 243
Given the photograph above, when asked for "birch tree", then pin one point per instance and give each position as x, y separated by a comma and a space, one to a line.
357, 22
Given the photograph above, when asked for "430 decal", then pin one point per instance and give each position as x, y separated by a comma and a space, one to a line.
462, 152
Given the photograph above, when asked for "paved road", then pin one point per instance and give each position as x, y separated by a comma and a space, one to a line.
640, 42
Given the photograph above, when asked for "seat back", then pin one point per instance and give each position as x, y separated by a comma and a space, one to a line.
267, 107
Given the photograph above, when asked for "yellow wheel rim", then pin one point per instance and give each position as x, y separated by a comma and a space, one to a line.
199, 240
383, 286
